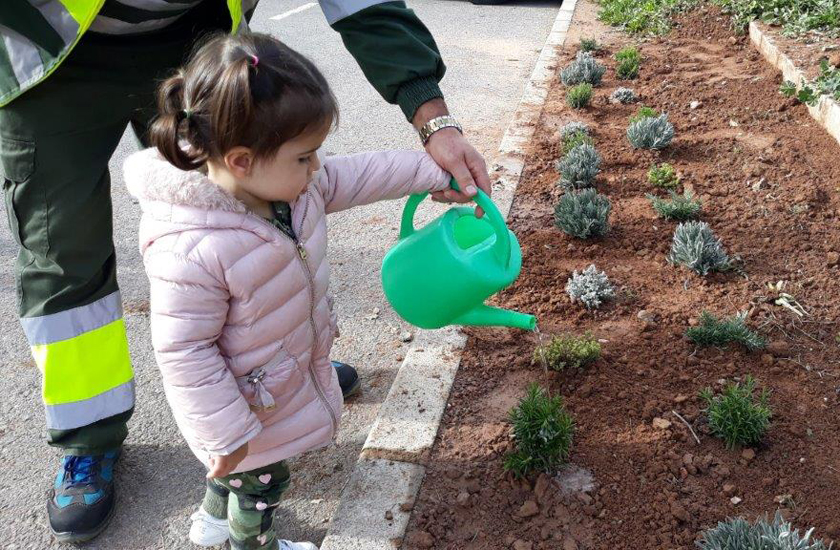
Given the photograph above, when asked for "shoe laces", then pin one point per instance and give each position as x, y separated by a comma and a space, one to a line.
79, 470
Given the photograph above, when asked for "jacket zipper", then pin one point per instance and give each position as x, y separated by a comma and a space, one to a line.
302, 255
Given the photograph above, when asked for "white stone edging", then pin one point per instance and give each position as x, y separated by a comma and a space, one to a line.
827, 110
376, 504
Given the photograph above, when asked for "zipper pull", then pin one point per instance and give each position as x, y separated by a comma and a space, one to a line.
301, 251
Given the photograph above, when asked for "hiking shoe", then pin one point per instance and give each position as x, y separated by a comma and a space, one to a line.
82, 500
207, 530
289, 545
348, 379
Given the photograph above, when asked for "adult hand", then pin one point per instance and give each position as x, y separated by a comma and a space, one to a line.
454, 154
223, 465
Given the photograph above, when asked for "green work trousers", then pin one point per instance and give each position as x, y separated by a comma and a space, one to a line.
55, 144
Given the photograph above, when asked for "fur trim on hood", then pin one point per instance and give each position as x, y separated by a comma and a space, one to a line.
150, 178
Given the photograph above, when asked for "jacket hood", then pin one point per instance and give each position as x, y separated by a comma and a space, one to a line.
150, 178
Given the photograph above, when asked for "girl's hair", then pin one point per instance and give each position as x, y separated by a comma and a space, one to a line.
246, 90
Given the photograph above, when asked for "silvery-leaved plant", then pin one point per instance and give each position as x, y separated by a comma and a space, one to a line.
623, 95
590, 287
651, 132
579, 168
583, 69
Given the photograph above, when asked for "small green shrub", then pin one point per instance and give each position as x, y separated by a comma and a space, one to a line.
579, 168
736, 416
643, 113
623, 95
642, 17
578, 138
590, 287
738, 534
796, 17
573, 128
679, 207
542, 432
629, 60
663, 175
589, 45
583, 214
651, 133
567, 351
630, 53
697, 248
583, 69
712, 331
579, 96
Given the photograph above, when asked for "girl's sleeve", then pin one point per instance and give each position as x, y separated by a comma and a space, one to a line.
189, 307
348, 181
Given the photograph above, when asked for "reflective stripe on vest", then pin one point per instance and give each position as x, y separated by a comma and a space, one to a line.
83, 356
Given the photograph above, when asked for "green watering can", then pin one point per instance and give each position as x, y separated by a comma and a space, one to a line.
441, 274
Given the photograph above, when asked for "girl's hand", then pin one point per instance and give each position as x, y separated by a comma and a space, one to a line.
223, 465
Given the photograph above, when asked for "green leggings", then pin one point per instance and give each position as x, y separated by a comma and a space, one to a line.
248, 500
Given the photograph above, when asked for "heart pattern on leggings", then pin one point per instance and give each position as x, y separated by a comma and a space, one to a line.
235, 483
262, 538
265, 478
261, 506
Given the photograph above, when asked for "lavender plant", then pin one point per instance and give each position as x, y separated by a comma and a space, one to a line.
651, 133
590, 287
623, 95
579, 168
697, 248
583, 69
583, 214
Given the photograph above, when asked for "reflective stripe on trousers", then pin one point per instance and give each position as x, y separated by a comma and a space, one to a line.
83, 356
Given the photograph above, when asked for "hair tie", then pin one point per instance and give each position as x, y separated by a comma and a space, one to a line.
255, 59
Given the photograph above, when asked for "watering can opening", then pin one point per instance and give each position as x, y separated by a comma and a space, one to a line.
470, 231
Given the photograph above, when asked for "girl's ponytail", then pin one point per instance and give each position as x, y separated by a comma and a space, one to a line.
175, 125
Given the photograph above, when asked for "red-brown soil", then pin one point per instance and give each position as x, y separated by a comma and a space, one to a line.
768, 176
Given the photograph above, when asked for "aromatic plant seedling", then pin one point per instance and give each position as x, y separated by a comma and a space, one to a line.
663, 175
738, 534
567, 351
579, 167
579, 96
573, 128
623, 95
697, 248
629, 59
589, 45
573, 140
736, 416
542, 432
590, 287
583, 69
679, 207
583, 214
711, 331
643, 113
651, 133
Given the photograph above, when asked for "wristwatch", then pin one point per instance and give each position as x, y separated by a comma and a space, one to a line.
438, 123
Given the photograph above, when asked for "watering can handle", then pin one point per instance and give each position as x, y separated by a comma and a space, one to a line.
502, 246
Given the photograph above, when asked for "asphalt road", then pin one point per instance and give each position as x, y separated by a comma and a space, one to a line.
490, 52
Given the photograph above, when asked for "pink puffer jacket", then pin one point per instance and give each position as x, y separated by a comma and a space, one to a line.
241, 322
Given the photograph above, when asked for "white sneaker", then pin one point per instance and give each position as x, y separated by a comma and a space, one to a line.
289, 545
207, 530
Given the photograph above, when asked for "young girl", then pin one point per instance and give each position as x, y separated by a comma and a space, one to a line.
234, 241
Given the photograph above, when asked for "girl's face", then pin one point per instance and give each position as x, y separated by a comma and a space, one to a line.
286, 175
282, 177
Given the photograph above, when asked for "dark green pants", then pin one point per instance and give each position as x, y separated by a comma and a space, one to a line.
249, 500
55, 144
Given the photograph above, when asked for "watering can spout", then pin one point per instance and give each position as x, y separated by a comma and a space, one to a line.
495, 317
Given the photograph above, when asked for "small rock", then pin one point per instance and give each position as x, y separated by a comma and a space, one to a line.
406, 507
834, 59
736, 500
695, 105
728, 489
681, 399
661, 423
522, 545
422, 539
832, 259
529, 509
406, 337
767, 360
779, 348
783, 499
748, 454
389, 515
463, 498
541, 486
679, 512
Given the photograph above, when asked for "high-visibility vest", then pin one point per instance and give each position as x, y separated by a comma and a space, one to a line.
36, 36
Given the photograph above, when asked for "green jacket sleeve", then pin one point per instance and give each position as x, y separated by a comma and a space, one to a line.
396, 52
